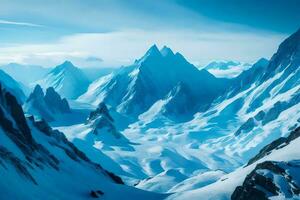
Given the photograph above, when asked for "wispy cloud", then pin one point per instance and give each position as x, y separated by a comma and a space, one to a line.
6, 22
121, 48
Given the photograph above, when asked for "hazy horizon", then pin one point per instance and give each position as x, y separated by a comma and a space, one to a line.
114, 33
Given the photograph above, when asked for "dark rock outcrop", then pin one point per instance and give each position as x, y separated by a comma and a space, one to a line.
116, 178
101, 119
276, 144
46, 105
263, 182
20, 131
101, 110
54, 100
96, 194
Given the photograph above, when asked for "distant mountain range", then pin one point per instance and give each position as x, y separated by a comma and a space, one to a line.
159, 124
159, 77
46, 106
68, 80
228, 69
26, 74
41, 160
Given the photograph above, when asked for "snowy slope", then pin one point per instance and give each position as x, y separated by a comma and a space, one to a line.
39, 162
12, 85
259, 105
255, 110
134, 89
68, 80
284, 158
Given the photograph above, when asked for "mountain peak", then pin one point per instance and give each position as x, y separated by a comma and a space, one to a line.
67, 62
152, 51
66, 65
166, 51
51, 93
262, 61
37, 92
101, 110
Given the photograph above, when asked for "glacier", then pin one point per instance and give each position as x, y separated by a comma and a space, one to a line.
160, 128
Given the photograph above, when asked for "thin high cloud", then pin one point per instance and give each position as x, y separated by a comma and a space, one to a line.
6, 22
120, 31
122, 48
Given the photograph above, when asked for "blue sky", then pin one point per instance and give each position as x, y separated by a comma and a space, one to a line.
115, 32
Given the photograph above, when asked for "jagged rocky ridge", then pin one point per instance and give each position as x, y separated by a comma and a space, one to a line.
284, 89
260, 106
46, 105
276, 144
103, 127
271, 178
40, 162
134, 89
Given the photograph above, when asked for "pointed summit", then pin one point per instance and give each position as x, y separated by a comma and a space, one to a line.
46, 105
67, 62
153, 52
153, 49
37, 93
66, 65
68, 80
38, 90
102, 110
166, 51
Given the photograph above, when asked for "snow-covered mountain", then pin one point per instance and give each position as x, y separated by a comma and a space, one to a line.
68, 80
39, 162
272, 174
46, 106
255, 108
169, 127
228, 69
103, 128
160, 75
263, 107
272, 178
12, 86
26, 74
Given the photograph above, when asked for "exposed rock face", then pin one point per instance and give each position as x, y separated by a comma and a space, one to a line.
19, 165
103, 128
276, 144
265, 117
246, 127
101, 110
101, 119
96, 194
14, 125
19, 131
135, 88
270, 179
55, 102
46, 105
65, 145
